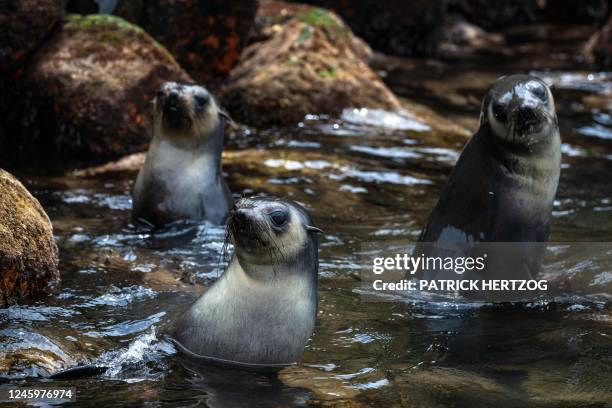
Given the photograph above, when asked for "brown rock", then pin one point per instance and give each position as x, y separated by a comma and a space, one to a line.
206, 37
87, 90
310, 64
598, 50
25, 25
28, 254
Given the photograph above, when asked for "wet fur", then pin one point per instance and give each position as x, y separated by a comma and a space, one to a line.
263, 309
182, 176
499, 191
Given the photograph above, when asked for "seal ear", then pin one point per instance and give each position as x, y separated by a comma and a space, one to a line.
313, 229
223, 113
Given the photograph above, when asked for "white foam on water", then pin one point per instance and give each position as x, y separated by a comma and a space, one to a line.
400, 120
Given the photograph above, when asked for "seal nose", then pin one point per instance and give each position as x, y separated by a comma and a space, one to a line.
240, 216
173, 96
526, 113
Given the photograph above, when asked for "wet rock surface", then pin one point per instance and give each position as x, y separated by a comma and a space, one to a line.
28, 254
25, 26
308, 65
205, 37
87, 91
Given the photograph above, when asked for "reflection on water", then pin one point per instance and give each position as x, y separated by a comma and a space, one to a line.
367, 176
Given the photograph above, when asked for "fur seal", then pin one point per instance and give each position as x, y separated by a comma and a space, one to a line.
504, 183
181, 177
262, 310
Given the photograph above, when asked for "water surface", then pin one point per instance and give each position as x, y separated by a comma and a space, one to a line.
365, 177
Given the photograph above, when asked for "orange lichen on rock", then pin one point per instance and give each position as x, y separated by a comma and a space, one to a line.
28, 254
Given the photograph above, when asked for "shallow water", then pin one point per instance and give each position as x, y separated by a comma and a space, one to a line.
367, 177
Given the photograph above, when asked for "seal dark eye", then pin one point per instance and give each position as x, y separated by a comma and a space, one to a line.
539, 91
279, 218
201, 99
499, 111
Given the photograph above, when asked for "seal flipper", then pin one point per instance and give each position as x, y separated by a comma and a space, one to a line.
85, 371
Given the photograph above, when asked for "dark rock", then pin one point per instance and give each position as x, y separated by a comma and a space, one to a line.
206, 37
395, 27
577, 11
310, 64
503, 14
499, 14
598, 50
460, 37
28, 254
25, 25
82, 7
87, 90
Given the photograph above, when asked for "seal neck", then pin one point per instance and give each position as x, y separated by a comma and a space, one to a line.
209, 145
304, 263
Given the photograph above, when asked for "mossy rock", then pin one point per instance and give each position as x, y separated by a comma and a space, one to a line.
308, 62
25, 26
28, 254
87, 91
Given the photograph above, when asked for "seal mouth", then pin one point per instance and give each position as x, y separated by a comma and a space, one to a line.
175, 115
526, 121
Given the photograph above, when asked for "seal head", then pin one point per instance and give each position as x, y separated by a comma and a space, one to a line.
520, 111
262, 311
183, 110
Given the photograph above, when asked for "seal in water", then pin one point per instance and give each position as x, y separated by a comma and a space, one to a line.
262, 311
503, 185
181, 177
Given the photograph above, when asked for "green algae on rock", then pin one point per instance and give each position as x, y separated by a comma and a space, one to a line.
87, 90
310, 64
28, 254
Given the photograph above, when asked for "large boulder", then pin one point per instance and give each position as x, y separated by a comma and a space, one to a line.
598, 50
87, 91
25, 25
206, 37
308, 63
28, 254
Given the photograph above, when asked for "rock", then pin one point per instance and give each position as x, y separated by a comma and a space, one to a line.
397, 27
575, 11
87, 90
512, 13
206, 37
310, 64
82, 6
28, 254
327, 389
598, 50
25, 26
500, 14
460, 38
444, 387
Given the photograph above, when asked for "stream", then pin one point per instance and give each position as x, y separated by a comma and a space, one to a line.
368, 176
